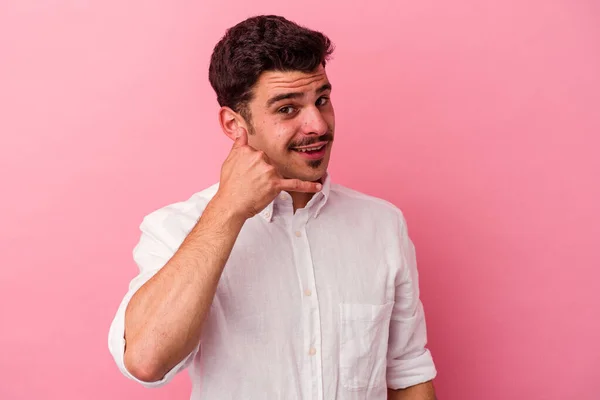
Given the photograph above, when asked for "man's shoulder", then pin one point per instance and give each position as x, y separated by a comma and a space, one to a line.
181, 216
363, 203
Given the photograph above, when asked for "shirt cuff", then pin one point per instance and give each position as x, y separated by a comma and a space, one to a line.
405, 373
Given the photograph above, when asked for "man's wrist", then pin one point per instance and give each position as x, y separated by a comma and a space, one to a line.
223, 210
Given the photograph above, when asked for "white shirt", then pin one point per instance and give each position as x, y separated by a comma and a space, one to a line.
320, 304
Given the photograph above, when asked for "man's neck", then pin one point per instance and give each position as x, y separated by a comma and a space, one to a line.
300, 199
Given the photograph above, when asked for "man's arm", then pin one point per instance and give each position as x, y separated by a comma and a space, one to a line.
422, 391
164, 318
410, 367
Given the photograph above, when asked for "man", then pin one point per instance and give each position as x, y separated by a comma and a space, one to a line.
276, 283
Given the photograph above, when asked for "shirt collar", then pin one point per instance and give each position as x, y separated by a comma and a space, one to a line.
316, 202
324, 193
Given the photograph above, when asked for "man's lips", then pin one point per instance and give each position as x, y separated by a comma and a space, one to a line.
312, 146
312, 154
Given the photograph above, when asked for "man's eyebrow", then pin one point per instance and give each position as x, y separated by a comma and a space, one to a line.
283, 96
295, 95
325, 87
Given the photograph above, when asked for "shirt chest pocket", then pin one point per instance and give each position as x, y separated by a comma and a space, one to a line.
364, 331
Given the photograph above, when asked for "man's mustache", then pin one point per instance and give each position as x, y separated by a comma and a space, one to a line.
328, 137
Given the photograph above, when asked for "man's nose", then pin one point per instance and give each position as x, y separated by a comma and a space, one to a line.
314, 123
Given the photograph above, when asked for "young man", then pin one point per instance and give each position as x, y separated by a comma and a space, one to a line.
276, 283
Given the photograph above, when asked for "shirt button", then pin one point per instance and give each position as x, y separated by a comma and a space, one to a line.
267, 214
307, 292
312, 351
298, 233
283, 196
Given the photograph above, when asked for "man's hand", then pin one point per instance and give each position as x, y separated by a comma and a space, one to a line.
249, 182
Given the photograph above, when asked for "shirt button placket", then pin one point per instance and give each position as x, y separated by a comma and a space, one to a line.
310, 301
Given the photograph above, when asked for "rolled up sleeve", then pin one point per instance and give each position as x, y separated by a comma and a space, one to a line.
150, 254
409, 362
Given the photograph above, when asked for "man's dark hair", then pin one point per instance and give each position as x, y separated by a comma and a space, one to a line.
258, 44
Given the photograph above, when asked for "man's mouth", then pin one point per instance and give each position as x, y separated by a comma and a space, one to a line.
314, 151
314, 147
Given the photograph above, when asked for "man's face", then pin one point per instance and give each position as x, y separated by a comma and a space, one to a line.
292, 112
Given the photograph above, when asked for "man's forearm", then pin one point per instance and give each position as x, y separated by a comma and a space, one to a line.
423, 391
164, 318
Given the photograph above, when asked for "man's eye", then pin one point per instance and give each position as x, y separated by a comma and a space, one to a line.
287, 110
322, 101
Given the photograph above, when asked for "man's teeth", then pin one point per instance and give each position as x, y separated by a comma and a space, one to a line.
310, 149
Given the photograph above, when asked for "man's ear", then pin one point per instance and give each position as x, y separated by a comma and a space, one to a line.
232, 123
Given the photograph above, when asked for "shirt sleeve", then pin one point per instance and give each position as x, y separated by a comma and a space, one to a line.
409, 362
150, 254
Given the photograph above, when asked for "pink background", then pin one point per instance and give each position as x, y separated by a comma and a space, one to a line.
480, 119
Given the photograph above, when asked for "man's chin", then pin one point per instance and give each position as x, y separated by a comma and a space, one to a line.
309, 177
306, 171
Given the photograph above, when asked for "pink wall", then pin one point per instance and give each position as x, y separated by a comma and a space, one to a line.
480, 119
